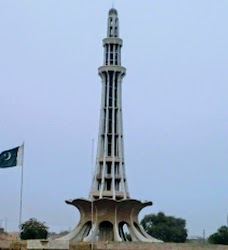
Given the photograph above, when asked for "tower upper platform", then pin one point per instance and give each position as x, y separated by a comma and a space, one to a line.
112, 44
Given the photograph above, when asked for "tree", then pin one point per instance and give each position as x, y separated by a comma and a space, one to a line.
165, 228
220, 237
33, 229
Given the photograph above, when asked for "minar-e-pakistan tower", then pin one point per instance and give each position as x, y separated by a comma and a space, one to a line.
110, 207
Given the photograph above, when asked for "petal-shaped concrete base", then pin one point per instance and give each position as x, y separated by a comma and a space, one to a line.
105, 219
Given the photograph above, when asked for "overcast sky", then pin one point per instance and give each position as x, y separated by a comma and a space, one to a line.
174, 106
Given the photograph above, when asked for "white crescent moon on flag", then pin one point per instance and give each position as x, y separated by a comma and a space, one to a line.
8, 156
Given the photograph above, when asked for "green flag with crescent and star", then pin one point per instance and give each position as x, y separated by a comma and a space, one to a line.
12, 157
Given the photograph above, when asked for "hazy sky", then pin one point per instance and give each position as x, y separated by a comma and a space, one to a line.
174, 105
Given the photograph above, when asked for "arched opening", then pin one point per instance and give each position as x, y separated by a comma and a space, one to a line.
85, 230
124, 232
105, 231
138, 228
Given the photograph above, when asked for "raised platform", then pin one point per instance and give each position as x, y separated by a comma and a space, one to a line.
21, 245
155, 246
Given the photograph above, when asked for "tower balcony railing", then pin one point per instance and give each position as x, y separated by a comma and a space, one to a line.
109, 159
113, 40
115, 68
109, 176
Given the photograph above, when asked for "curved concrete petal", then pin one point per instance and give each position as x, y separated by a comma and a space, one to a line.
112, 213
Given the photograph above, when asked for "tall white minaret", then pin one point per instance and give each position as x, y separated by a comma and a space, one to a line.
109, 180
109, 209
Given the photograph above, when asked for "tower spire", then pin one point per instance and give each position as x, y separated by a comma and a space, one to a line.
113, 23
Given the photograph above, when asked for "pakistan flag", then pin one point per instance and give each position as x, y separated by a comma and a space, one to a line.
12, 157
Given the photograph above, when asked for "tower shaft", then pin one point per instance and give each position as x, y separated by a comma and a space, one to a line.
109, 180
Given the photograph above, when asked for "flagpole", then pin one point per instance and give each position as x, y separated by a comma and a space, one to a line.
21, 188
92, 159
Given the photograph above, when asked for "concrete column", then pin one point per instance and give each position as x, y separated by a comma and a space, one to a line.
113, 136
105, 137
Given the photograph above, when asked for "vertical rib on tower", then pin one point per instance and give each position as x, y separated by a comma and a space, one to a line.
109, 179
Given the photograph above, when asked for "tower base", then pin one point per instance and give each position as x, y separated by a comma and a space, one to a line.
106, 220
